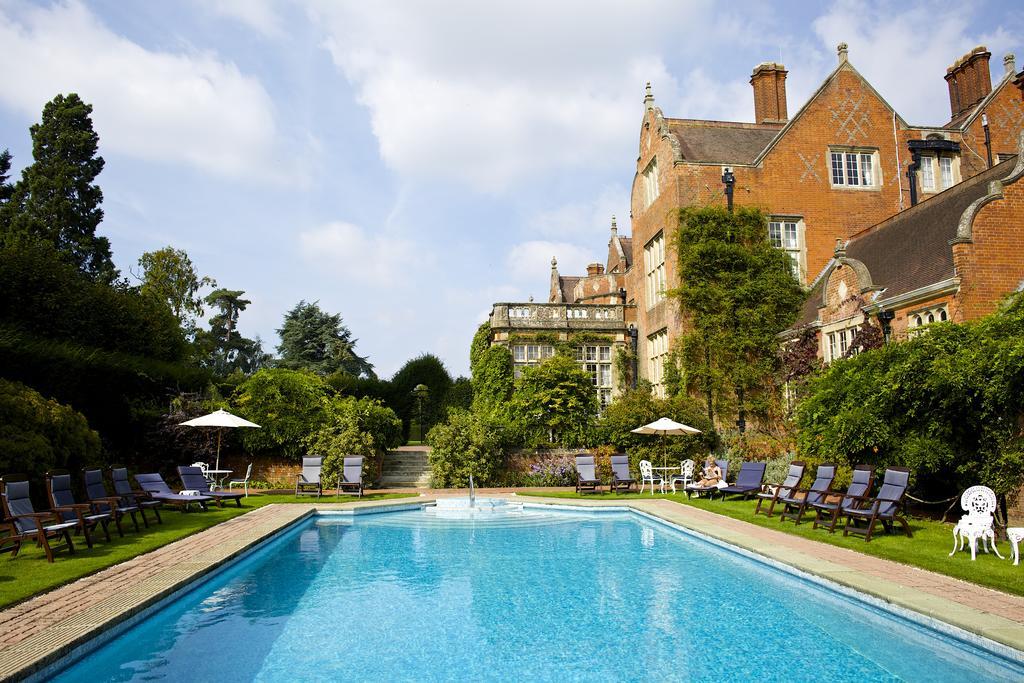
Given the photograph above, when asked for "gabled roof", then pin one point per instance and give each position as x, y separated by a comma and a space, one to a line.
726, 142
912, 249
567, 284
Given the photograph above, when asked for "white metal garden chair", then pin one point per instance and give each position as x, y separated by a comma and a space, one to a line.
647, 476
232, 483
979, 505
685, 476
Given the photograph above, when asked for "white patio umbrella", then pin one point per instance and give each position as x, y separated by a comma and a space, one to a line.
221, 419
663, 426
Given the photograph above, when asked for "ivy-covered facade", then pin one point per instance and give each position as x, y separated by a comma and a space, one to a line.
600, 337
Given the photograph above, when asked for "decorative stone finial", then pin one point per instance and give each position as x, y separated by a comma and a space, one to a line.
840, 251
843, 51
648, 97
615, 229
554, 263
531, 298
1010, 63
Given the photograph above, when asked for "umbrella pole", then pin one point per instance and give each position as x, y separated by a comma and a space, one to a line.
219, 431
664, 453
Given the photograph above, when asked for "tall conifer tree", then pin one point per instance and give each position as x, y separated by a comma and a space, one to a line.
57, 198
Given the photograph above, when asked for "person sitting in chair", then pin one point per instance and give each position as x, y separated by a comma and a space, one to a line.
711, 474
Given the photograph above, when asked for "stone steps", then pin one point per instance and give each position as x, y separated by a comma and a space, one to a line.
406, 467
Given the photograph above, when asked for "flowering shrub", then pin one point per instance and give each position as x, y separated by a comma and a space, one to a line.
556, 471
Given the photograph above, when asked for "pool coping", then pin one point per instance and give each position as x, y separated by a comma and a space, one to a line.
37, 634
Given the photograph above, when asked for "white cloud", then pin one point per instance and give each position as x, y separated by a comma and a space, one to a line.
589, 219
181, 108
352, 254
493, 94
529, 263
881, 35
260, 15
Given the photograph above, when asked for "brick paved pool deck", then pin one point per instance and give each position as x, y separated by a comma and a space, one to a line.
40, 631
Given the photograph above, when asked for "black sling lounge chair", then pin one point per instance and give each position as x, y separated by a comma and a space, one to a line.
153, 484
351, 479
192, 479
307, 483
748, 481
96, 491
586, 475
793, 506
24, 522
621, 481
693, 488
883, 508
63, 503
130, 496
791, 482
827, 514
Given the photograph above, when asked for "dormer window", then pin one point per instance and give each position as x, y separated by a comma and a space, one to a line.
854, 168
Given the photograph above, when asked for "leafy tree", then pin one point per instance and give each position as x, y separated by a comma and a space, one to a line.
426, 369
461, 394
737, 293
57, 198
554, 402
947, 404
467, 443
317, 341
639, 406
481, 342
6, 189
39, 434
222, 348
169, 276
493, 379
353, 426
289, 405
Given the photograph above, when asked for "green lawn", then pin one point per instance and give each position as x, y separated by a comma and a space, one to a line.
929, 548
29, 573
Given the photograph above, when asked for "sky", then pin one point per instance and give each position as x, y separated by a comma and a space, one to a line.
409, 163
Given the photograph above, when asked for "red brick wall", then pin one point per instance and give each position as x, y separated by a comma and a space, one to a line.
991, 265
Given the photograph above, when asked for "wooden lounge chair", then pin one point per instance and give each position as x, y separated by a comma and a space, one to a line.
62, 502
96, 492
621, 481
827, 514
748, 481
193, 479
307, 482
586, 475
130, 496
883, 508
153, 484
351, 479
791, 482
794, 505
23, 522
693, 488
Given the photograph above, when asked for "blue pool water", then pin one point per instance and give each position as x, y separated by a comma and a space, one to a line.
562, 596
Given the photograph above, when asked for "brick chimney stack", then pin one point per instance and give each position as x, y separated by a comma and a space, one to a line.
969, 80
595, 269
769, 81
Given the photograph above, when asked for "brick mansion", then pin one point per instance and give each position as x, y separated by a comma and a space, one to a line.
884, 221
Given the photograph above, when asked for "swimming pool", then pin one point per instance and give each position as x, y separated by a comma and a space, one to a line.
534, 595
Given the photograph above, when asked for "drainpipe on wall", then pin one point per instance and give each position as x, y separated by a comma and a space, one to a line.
915, 165
885, 318
988, 139
634, 346
729, 180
